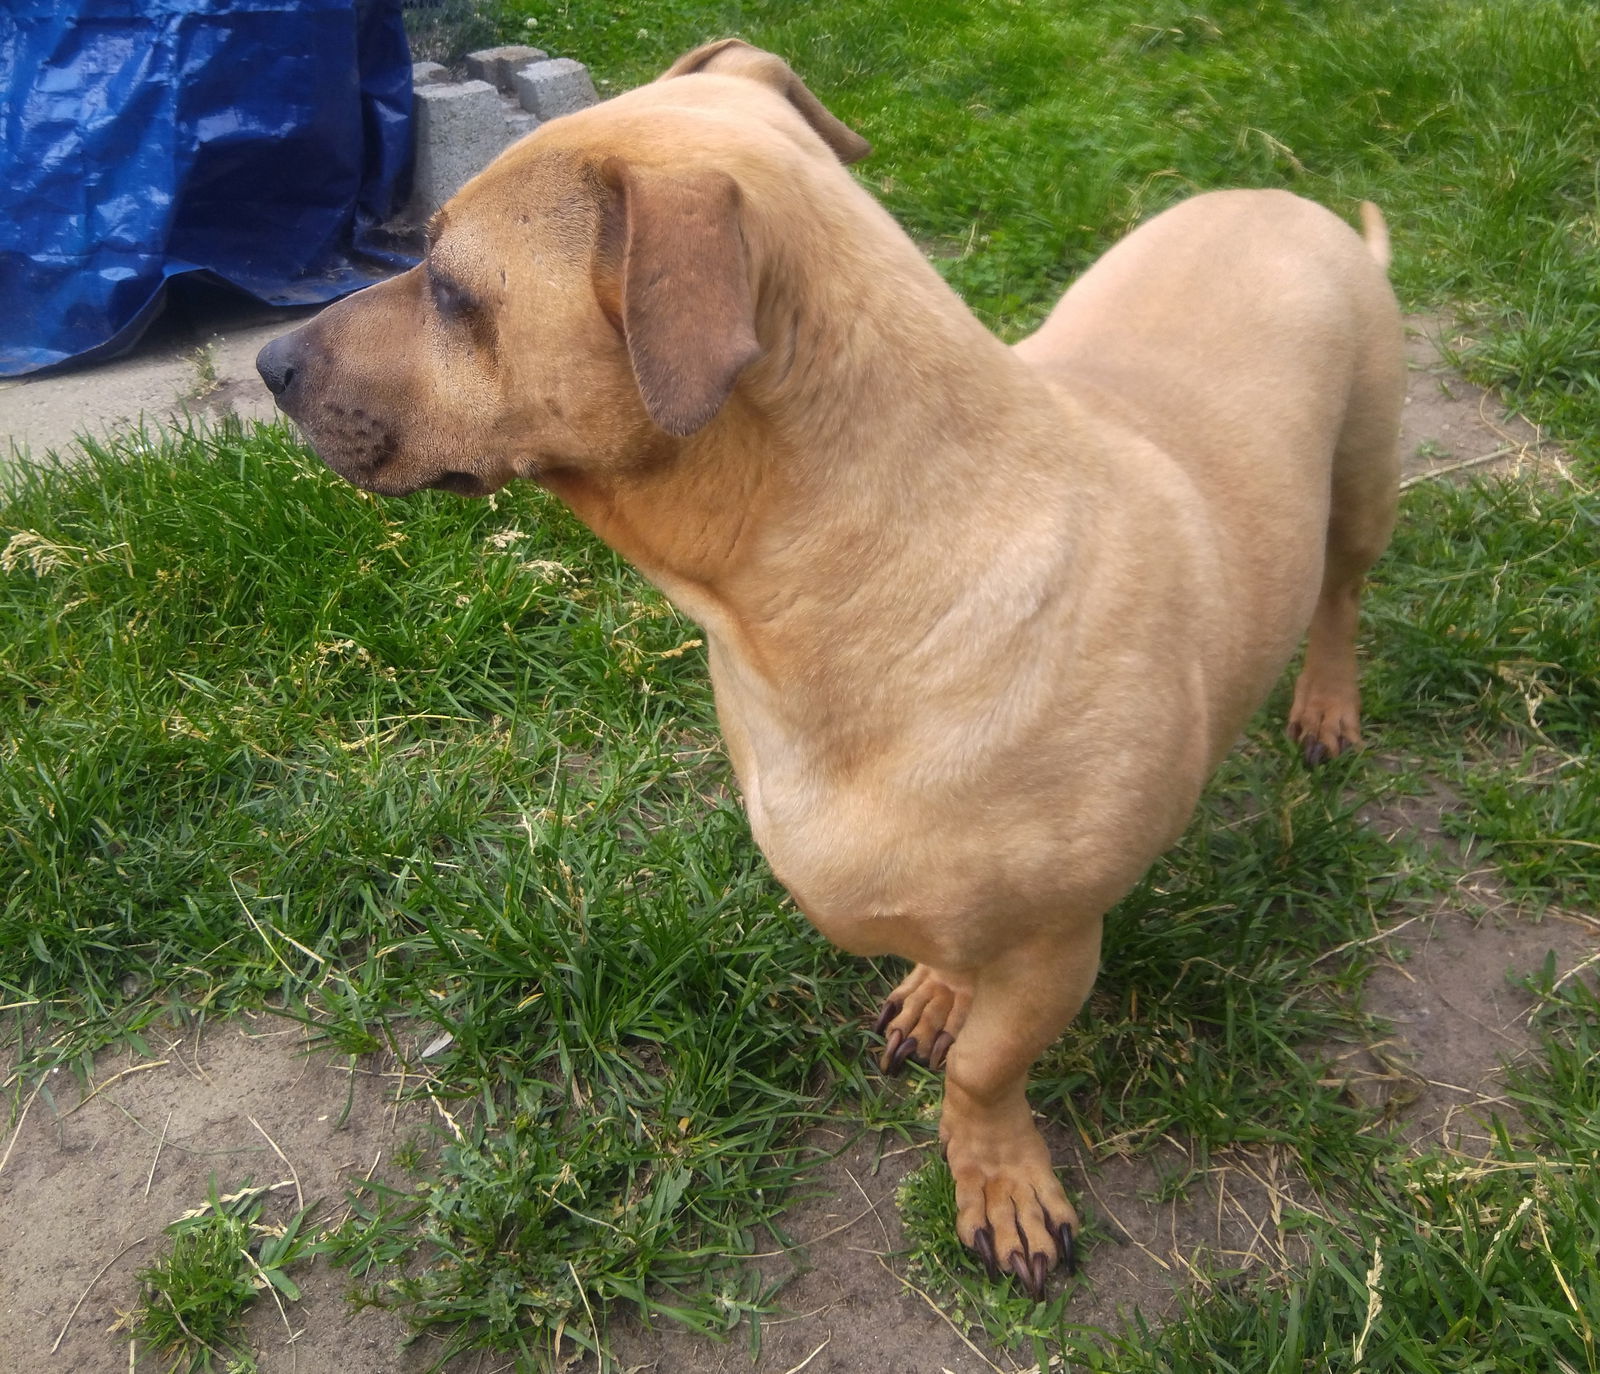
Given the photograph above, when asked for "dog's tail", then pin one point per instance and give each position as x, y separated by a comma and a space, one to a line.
1376, 233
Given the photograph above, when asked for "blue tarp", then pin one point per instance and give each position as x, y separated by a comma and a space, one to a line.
260, 141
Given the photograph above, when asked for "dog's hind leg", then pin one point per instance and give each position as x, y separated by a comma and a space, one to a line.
922, 1017
1010, 1207
1325, 719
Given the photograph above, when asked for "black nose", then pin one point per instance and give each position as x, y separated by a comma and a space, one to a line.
277, 364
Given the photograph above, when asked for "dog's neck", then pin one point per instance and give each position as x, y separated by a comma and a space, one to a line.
861, 440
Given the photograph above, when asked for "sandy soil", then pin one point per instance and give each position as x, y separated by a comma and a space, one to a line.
89, 1179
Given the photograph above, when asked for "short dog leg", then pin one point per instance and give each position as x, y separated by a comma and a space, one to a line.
1010, 1207
922, 1018
1325, 719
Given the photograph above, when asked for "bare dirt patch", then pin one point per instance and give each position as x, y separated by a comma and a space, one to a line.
1452, 428
96, 1171
1451, 988
92, 1174
1460, 1017
852, 1305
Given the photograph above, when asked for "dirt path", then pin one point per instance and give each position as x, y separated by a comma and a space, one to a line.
87, 1183
94, 1178
197, 360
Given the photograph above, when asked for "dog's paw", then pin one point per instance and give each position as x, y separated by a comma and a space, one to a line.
921, 1019
1013, 1214
1324, 727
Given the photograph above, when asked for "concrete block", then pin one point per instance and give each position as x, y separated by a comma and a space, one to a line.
520, 123
554, 87
460, 127
499, 66
428, 73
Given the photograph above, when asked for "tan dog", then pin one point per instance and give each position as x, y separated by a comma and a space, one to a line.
981, 620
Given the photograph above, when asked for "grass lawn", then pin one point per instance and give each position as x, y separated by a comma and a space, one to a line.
265, 740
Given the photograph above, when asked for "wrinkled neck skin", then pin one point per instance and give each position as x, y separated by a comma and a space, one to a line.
848, 493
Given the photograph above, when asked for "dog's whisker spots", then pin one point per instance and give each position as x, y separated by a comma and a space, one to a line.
383, 452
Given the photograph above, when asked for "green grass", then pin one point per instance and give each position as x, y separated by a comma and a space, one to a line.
441, 771
1488, 610
1439, 1263
239, 767
224, 1256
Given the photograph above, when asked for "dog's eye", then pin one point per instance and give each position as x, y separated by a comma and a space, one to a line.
450, 299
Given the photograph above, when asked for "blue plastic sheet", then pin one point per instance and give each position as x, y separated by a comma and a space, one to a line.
261, 141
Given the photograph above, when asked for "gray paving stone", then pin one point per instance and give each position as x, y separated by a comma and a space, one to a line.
555, 87
520, 124
499, 66
460, 127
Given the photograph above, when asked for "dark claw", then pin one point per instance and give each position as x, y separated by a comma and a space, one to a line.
905, 1050
890, 1045
887, 1014
1040, 1267
1315, 752
983, 1247
1022, 1269
941, 1047
1068, 1247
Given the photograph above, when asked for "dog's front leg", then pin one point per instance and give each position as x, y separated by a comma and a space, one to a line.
1010, 1208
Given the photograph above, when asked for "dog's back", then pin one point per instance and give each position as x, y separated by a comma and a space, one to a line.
1237, 325
1252, 338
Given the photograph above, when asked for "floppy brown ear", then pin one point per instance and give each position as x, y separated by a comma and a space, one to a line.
672, 269
735, 57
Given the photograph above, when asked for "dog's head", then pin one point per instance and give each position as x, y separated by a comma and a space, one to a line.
586, 302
